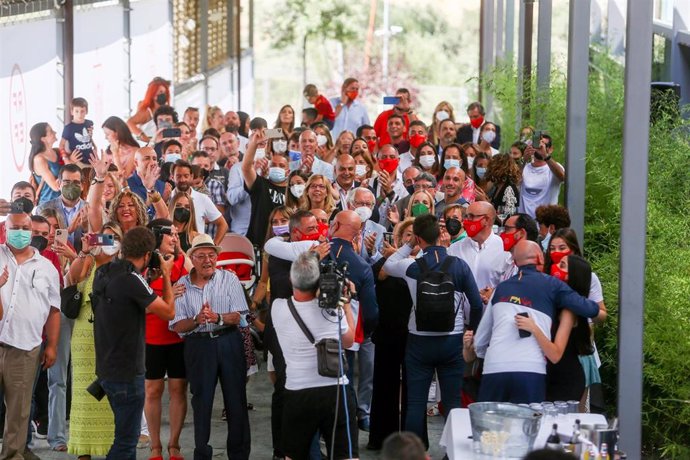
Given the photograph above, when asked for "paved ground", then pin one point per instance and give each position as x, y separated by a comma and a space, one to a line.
258, 393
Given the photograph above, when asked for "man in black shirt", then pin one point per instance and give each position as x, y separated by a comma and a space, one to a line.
121, 298
265, 194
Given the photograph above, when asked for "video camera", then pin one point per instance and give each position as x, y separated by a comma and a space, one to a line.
332, 284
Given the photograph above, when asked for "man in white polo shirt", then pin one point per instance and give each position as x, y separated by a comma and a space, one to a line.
29, 301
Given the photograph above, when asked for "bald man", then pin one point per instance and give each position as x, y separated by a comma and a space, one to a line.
145, 181
514, 364
482, 249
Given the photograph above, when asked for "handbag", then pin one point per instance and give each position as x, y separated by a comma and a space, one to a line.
70, 301
328, 353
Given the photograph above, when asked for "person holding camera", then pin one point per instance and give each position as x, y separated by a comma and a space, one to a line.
121, 298
542, 177
207, 315
165, 348
313, 400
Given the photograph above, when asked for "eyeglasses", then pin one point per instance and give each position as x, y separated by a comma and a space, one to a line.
318, 186
205, 256
363, 203
474, 216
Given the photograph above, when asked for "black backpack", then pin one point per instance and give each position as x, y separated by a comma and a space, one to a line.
435, 309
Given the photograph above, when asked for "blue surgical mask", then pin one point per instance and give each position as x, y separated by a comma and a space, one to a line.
449, 163
172, 157
481, 172
276, 175
19, 239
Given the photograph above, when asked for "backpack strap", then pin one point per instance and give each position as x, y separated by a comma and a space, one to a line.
423, 266
445, 265
300, 323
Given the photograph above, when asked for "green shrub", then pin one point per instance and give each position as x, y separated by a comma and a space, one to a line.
666, 379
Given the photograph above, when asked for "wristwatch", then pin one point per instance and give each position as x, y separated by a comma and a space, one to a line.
220, 321
547, 158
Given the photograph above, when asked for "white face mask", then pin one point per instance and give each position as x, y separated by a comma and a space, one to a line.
260, 154
442, 115
280, 146
360, 170
298, 190
470, 161
111, 250
172, 157
427, 161
321, 140
489, 136
363, 212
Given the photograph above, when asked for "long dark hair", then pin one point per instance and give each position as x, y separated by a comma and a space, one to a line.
278, 124
463, 158
242, 130
580, 280
38, 131
124, 135
570, 237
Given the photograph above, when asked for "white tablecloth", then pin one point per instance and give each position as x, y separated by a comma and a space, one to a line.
456, 436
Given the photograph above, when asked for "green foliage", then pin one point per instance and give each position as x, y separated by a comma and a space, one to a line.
296, 19
666, 405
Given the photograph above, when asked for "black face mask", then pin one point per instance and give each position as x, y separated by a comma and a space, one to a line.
181, 215
410, 189
26, 205
39, 242
205, 173
453, 226
161, 99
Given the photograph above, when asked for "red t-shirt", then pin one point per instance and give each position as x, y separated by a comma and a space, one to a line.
157, 330
55, 260
381, 127
323, 107
3, 233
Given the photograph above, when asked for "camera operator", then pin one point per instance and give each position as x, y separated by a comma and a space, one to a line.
121, 298
310, 398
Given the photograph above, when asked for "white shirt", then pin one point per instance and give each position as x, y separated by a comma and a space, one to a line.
300, 354
31, 290
406, 160
539, 186
204, 209
488, 262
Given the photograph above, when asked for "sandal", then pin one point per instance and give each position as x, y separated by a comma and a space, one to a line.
156, 457
175, 457
60, 448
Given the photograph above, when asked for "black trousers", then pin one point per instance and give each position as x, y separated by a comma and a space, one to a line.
207, 361
390, 392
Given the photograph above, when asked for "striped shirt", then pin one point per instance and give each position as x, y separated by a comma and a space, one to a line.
223, 292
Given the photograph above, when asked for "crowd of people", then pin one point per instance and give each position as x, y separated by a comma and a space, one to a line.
465, 282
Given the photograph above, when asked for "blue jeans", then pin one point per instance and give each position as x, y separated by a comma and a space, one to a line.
514, 387
423, 356
57, 386
127, 402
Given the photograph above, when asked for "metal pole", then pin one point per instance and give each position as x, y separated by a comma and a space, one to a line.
543, 60
520, 65
127, 33
68, 57
386, 36
203, 38
680, 59
486, 48
576, 113
638, 72
527, 60
499, 29
510, 27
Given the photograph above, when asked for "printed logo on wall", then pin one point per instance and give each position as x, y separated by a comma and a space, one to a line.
18, 128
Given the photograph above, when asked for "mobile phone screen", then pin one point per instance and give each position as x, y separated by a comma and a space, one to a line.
391, 100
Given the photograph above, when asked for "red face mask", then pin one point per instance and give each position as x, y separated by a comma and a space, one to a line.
557, 256
371, 145
477, 122
508, 240
556, 272
310, 237
323, 229
389, 164
417, 139
352, 95
472, 227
